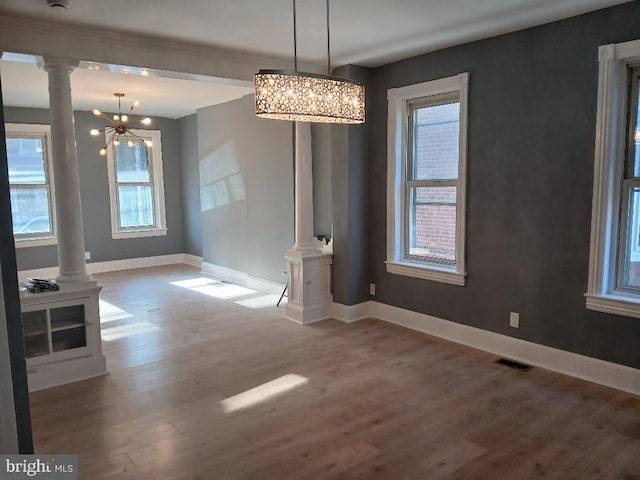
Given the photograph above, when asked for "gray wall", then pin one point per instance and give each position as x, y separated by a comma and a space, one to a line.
246, 189
532, 110
94, 193
350, 191
189, 159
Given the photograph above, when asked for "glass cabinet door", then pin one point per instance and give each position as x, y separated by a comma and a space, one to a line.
36, 334
68, 328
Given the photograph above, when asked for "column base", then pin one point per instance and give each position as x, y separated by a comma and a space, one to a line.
82, 278
309, 280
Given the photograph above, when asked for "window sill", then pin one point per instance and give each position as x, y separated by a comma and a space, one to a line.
615, 304
155, 232
426, 272
35, 242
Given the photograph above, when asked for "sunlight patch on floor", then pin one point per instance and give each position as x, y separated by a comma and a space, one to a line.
111, 313
263, 392
218, 289
224, 291
123, 331
195, 282
263, 301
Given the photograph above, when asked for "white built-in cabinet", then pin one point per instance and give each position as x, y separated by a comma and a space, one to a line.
62, 335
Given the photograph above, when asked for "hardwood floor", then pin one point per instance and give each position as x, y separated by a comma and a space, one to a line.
206, 385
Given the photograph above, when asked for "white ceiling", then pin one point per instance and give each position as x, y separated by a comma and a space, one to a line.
363, 32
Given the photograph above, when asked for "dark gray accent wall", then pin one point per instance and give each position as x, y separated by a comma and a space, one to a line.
246, 189
11, 305
321, 160
532, 115
191, 218
350, 193
94, 194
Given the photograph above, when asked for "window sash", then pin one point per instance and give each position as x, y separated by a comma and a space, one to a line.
151, 183
629, 228
411, 184
412, 106
632, 116
46, 185
149, 163
410, 225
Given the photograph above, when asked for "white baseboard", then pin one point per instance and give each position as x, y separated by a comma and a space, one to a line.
351, 313
242, 278
586, 368
192, 260
117, 265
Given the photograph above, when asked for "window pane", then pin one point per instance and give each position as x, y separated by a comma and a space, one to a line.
636, 149
433, 224
436, 142
30, 210
136, 206
132, 163
632, 253
26, 161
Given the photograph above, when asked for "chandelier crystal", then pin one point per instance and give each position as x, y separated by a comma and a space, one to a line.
308, 97
119, 128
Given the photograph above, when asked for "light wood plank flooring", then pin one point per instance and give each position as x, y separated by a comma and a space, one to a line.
209, 382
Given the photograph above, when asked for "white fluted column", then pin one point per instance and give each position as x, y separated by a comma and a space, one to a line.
308, 269
66, 184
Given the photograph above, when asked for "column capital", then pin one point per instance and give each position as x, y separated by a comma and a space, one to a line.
50, 63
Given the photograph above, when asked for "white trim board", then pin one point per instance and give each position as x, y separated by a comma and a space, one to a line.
117, 265
55, 374
351, 313
242, 278
586, 368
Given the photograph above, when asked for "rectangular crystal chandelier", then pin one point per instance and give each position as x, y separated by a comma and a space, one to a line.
308, 97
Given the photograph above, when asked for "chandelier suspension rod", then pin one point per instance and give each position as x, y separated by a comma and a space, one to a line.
295, 39
328, 42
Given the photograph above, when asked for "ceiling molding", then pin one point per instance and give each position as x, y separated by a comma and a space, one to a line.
20, 34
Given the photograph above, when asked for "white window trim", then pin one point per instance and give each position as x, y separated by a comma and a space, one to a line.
47, 239
608, 166
397, 136
158, 181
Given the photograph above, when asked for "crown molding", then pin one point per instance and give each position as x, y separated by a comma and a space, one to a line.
35, 36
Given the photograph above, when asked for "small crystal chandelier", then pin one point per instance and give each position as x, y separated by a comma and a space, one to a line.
308, 97
119, 127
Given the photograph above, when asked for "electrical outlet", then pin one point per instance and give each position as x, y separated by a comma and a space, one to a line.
372, 289
87, 255
514, 320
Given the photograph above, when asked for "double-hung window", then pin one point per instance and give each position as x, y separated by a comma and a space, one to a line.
136, 187
628, 275
614, 263
427, 179
31, 190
